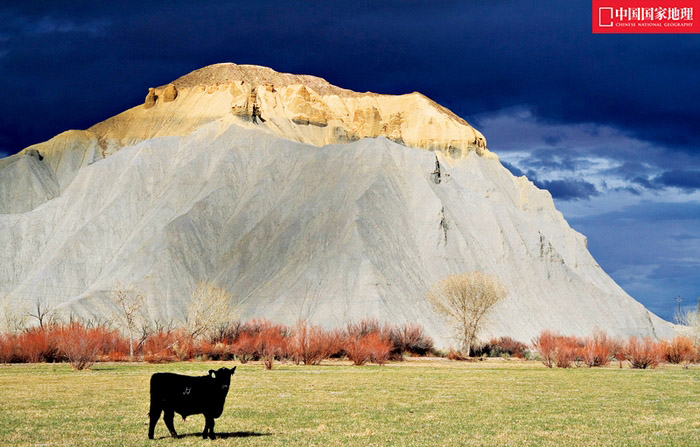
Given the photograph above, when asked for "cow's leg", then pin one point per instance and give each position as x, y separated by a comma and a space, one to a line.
154, 415
210, 424
205, 432
168, 418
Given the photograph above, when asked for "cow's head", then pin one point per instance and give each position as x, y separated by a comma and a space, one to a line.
222, 377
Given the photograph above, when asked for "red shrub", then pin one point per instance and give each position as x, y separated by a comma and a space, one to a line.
496, 347
272, 344
9, 348
411, 339
546, 345
79, 344
158, 347
215, 351
310, 344
379, 348
244, 348
364, 327
566, 352
184, 347
115, 356
372, 347
260, 338
356, 351
36, 345
368, 341
680, 350
597, 350
617, 350
456, 355
645, 353
559, 350
337, 339
114, 347
54, 342
206, 348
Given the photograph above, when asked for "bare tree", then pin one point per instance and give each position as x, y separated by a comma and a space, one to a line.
465, 299
129, 302
43, 313
209, 309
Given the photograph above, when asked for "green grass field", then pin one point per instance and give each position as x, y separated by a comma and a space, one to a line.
415, 403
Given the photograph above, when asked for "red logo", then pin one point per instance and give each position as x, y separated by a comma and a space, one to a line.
646, 17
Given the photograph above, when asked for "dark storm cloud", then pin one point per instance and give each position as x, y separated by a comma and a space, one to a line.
552, 139
632, 170
565, 189
70, 64
569, 189
640, 176
688, 180
597, 154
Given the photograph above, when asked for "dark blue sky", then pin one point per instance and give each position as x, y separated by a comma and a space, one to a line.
610, 124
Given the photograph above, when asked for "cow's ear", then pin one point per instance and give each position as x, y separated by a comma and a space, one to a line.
233, 370
212, 373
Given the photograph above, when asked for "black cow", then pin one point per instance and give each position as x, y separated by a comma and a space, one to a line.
186, 395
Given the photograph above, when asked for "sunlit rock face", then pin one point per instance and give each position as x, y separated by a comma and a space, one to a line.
302, 199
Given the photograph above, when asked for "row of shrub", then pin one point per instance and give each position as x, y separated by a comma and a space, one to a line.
599, 350
83, 345
367, 341
74, 342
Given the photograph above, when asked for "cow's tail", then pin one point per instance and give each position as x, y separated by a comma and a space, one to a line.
155, 409
154, 394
